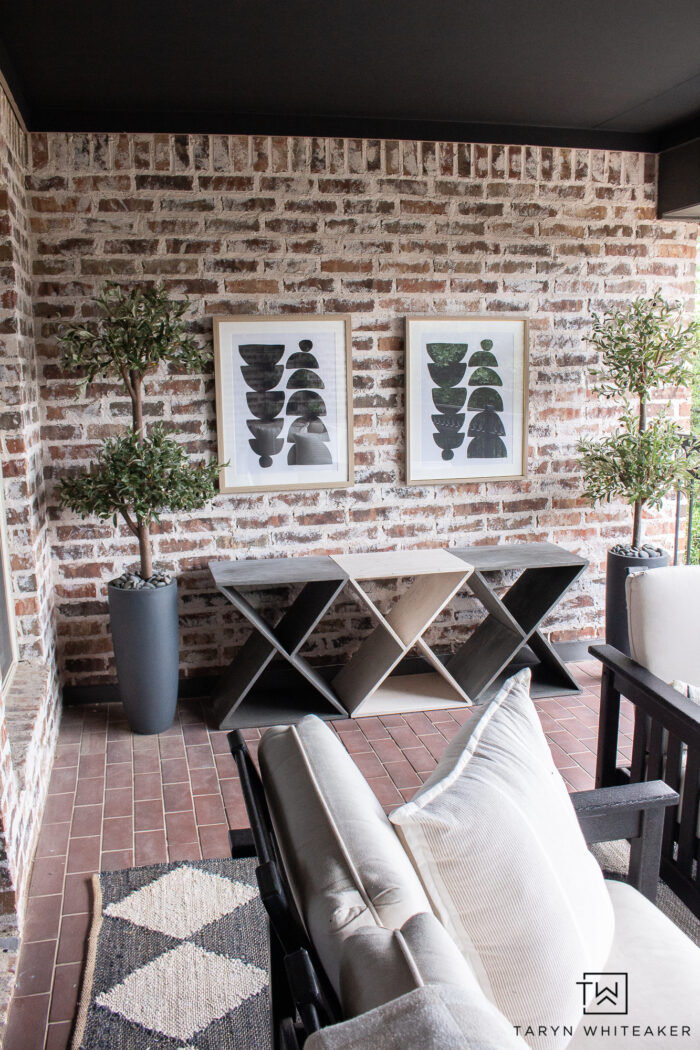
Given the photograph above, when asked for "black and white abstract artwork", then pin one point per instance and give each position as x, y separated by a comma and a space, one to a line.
282, 402
466, 399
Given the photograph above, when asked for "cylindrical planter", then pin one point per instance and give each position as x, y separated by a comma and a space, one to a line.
145, 635
619, 566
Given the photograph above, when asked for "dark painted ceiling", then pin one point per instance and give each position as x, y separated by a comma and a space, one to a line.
624, 73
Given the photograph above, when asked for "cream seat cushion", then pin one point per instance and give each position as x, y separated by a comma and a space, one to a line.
343, 858
663, 968
663, 611
495, 840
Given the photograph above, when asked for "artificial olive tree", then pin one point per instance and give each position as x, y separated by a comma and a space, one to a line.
140, 474
643, 348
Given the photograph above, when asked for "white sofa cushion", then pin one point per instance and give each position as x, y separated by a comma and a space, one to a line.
379, 965
663, 610
663, 968
434, 1017
343, 858
495, 840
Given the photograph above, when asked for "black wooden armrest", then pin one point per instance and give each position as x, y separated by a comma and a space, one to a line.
676, 712
629, 811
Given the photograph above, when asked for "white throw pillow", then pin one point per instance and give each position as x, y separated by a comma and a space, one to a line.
495, 839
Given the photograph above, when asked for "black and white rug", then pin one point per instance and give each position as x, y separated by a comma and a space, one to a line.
177, 960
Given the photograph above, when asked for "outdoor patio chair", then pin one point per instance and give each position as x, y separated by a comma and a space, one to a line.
664, 630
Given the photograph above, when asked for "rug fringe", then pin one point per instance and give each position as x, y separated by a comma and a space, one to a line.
90, 960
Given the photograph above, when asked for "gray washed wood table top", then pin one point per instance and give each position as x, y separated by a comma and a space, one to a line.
271, 572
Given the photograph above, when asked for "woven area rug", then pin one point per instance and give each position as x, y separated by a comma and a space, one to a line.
177, 960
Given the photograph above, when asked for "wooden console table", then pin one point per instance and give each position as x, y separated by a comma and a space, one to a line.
365, 684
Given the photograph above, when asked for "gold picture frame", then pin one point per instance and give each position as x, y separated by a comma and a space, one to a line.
466, 399
284, 401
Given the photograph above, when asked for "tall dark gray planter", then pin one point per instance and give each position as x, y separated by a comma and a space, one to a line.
145, 634
619, 566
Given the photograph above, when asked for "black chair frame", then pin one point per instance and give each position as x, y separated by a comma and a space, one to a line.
665, 745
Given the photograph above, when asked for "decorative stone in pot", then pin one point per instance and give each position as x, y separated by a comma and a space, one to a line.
144, 624
621, 561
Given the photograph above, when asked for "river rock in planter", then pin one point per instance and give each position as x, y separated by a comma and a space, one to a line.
621, 561
144, 625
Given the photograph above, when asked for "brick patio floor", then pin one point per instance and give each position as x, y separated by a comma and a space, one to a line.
118, 800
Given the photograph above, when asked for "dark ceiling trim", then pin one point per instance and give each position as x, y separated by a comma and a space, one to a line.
678, 134
205, 123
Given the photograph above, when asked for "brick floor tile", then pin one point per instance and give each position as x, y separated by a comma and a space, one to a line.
215, 841
386, 791
116, 859
91, 766
63, 780
209, 809
90, 791
47, 876
43, 918
117, 833
83, 855
65, 991
219, 742
58, 1035
387, 750
146, 762
435, 743
372, 728
180, 827
87, 820
119, 751
119, 775
77, 896
71, 944
419, 722
147, 786
177, 797
175, 771
225, 767
171, 747
58, 809
368, 764
204, 781
150, 847
184, 851
35, 968
53, 840
403, 736
118, 802
148, 816
195, 734
402, 774
420, 758
199, 756
66, 755
26, 1025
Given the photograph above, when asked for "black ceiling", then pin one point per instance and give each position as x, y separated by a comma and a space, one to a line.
618, 73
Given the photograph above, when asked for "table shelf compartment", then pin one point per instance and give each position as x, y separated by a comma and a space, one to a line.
535, 592
491, 646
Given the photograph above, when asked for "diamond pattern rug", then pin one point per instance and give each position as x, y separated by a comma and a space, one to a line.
177, 960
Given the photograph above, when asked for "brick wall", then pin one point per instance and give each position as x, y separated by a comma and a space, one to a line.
376, 229
29, 708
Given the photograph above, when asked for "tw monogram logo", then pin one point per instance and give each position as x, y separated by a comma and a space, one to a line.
604, 993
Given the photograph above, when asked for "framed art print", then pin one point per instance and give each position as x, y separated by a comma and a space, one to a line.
466, 399
284, 402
